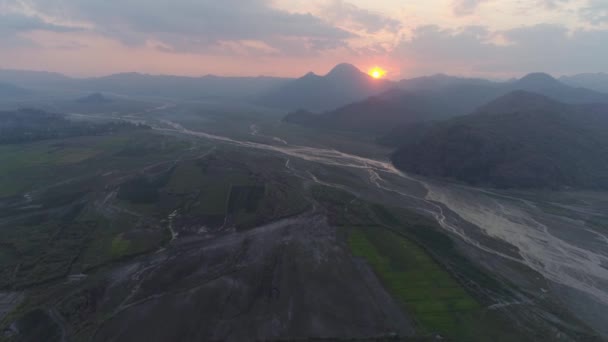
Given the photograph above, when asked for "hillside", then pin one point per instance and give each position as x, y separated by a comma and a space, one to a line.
597, 81
8, 91
342, 85
376, 115
547, 85
521, 140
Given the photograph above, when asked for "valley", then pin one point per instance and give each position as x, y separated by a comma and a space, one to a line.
166, 213
561, 245
292, 170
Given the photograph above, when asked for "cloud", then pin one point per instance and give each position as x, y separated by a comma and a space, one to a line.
465, 7
596, 12
358, 18
15, 26
446, 44
300, 34
553, 4
190, 25
16, 22
479, 50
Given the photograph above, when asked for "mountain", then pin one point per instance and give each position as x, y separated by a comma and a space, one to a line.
521, 140
136, 84
10, 91
547, 85
342, 85
376, 115
597, 82
95, 98
32, 79
206, 87
382, 113
439, 81
437, 98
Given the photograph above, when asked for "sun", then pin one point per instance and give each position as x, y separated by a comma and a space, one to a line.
377, 72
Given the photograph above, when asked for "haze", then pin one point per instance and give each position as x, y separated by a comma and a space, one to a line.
487, 38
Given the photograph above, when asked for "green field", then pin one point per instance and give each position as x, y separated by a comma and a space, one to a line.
57, 231
25, 167
438, 303
100, 199
211, 182
216, 187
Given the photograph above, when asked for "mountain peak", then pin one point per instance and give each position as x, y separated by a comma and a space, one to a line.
309, 76
344, 69
538, 79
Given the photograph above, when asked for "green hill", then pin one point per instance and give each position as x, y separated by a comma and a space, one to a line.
520, 140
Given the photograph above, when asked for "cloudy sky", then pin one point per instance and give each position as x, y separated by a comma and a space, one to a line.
490, 38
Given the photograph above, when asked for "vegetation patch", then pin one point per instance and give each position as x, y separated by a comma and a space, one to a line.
344, 209
437, 301
245, 199
186, 178
439, 304
119, 237
120, 246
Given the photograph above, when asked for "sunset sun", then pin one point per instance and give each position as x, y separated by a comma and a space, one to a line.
377, 72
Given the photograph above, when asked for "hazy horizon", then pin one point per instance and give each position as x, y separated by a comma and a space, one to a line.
288, 38
320, 73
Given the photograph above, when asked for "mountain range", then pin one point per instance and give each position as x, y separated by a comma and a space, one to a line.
136, 84
436, 98
520, 140
10, 91
598, 81
375, 115
344, 84
439, 81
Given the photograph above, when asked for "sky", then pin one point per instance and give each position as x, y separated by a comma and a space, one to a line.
482, 38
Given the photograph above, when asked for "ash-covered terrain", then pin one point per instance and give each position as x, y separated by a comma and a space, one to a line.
218, 232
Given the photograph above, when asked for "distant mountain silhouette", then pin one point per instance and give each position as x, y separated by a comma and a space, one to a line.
376, 115
437, 98
537, 80
95, 98
547, 85
344, 84
597, 82
136, 84
8, 91
521, 140
31, 79
206, 87
439, 81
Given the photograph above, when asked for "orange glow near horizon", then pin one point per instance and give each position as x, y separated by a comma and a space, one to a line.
377, 72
